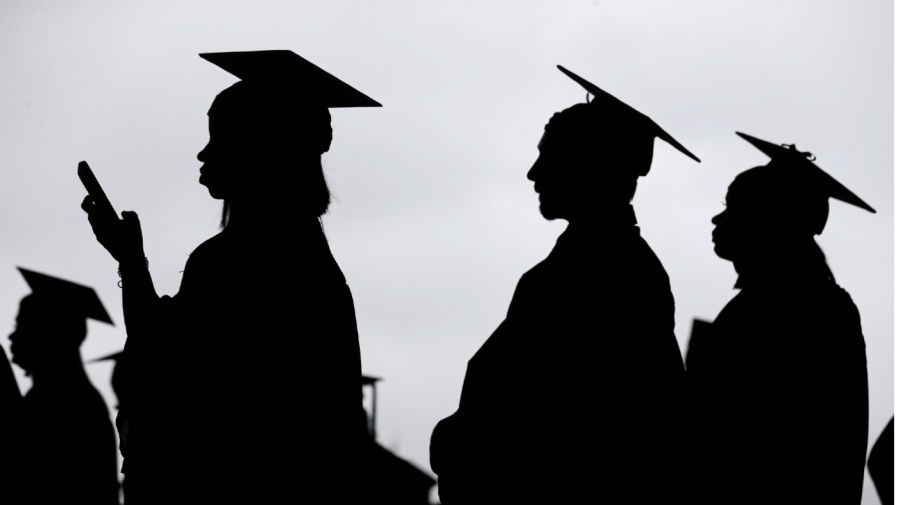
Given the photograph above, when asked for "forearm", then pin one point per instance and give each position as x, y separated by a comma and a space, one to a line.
139, 296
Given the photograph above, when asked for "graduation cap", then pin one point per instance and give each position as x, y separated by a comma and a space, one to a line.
881, 463
372, 416
119, 376
814, 178
641, 120
291, 72
111, 357
70, 297
701, 330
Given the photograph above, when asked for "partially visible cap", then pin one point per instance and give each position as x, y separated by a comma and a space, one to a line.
111, 357
701, 330
603, 98
289, 71
69, 297
814, 178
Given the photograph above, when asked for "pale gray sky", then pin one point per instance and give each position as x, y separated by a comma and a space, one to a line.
435, 220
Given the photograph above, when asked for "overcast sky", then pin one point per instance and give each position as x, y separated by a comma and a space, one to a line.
435, 220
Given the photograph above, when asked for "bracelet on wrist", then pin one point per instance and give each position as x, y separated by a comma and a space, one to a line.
146, 263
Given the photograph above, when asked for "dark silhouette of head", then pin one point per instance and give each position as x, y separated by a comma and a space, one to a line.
46, 334
591, 155
267, 134
52, 322
774, 211
768, 209
589, 160
265, 144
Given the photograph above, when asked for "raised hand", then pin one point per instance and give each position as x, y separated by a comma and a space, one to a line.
122, 237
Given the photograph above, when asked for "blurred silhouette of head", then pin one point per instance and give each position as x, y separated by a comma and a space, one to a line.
45, 333
778, 207
591, 155
52, 322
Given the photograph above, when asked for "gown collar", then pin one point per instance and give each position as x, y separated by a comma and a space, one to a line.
617, 223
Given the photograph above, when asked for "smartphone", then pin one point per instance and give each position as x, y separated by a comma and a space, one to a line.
95, 191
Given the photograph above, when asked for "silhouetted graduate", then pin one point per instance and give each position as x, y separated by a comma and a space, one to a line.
245, 385
68, 452
881, 464
571, 398
781, 382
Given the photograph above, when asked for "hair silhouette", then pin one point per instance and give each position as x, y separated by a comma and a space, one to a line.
280, 135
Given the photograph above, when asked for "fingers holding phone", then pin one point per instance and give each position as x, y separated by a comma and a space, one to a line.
123, 238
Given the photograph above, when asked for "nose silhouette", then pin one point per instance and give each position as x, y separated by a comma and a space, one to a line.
202, 154
535, 169
716, 219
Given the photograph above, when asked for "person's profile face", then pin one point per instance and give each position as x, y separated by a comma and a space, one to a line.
558, 177
220, 158
743, 228
25, 340
722, 235
45, 330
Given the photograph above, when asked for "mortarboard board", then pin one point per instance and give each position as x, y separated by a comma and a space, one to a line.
111, 357
74, 298
881, 463
371, 381
817, 178
290, 71
600, 96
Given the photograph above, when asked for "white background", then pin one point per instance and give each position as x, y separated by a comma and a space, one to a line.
434, 220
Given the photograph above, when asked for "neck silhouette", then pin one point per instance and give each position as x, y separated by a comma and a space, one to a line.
60, 368
782, 262
608, 215
282, 194
277, 217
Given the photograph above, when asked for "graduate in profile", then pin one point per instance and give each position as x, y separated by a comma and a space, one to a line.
64, 437
220, 408
572, 398
780, 383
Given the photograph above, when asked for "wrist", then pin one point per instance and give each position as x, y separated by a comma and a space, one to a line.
134, 260
131, 264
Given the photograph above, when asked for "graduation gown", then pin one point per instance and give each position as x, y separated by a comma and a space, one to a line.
247, 382
67, 441
571, 398
781, 394
10, 449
